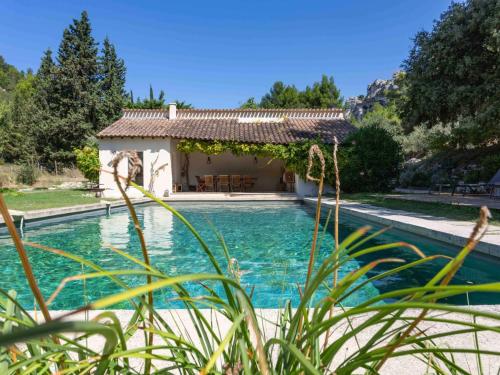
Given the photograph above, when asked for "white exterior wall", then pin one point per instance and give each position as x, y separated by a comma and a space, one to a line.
305, 188
309, 188
157, 164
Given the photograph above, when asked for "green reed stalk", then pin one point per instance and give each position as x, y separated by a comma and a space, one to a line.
136, 166
336, 228
315, 151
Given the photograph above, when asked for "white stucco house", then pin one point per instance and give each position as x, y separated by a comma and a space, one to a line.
155, 133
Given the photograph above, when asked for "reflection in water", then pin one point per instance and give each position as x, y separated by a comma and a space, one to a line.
158, 227
114, 230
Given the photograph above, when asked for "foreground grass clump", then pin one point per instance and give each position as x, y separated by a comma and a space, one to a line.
313, 338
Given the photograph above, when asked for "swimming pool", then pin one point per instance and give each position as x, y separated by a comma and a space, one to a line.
270, 240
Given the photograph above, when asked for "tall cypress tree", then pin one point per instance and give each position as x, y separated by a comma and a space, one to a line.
112, 84
45, 81
74, 99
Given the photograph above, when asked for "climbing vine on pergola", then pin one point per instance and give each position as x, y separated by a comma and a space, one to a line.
294, 155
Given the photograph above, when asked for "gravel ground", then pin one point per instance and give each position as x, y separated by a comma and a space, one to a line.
399, 366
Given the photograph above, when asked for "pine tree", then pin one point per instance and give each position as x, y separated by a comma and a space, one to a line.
281, 96
323, 94
112, 84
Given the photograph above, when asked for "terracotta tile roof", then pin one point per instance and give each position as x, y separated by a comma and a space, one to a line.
251, 126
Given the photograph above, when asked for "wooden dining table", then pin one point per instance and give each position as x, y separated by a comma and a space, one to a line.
201, 180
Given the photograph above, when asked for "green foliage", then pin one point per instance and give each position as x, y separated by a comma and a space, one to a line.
383, 117
112, 84
294, 155
27, 174
490, 164
196, 344
282, 96
371, 161
9, 77
452, 74
182, 104
150, 103
413, 177
67, 101
19, 143
322, 94
250, 104
87, 161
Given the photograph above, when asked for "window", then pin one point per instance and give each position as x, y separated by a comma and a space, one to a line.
139, 177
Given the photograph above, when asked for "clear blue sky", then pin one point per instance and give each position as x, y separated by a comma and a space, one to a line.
216, 54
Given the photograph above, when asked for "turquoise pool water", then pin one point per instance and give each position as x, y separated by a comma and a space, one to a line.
271, 242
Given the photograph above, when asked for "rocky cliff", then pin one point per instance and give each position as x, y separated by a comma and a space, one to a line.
357, 106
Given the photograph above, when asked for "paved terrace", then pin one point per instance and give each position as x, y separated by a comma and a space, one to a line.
438, 228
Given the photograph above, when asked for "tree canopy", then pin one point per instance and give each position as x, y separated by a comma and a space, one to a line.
452, 74
322, 94
67, 101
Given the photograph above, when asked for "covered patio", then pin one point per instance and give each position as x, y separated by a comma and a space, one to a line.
226, 172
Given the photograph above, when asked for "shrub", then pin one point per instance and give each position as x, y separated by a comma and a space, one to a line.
27, 174
370, 160
489, 166
87, 161
420, 179
472, 176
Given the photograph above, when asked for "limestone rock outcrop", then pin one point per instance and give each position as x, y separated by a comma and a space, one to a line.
358, 106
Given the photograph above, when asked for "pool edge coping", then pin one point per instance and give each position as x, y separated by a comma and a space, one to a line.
34, 216
403, 220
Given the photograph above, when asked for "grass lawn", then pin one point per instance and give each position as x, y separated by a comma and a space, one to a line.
449, 211
39, 199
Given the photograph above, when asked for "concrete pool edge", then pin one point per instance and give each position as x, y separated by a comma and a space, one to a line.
436, 228
24, 217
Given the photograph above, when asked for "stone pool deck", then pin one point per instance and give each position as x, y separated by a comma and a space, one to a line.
438, 228
180, 320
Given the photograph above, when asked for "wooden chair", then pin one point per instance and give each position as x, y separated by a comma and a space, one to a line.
223, 183
247, 183
236, 182
290, 181
209, 183
200, 184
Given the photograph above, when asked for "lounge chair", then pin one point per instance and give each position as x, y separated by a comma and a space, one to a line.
223, 183
236, 182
